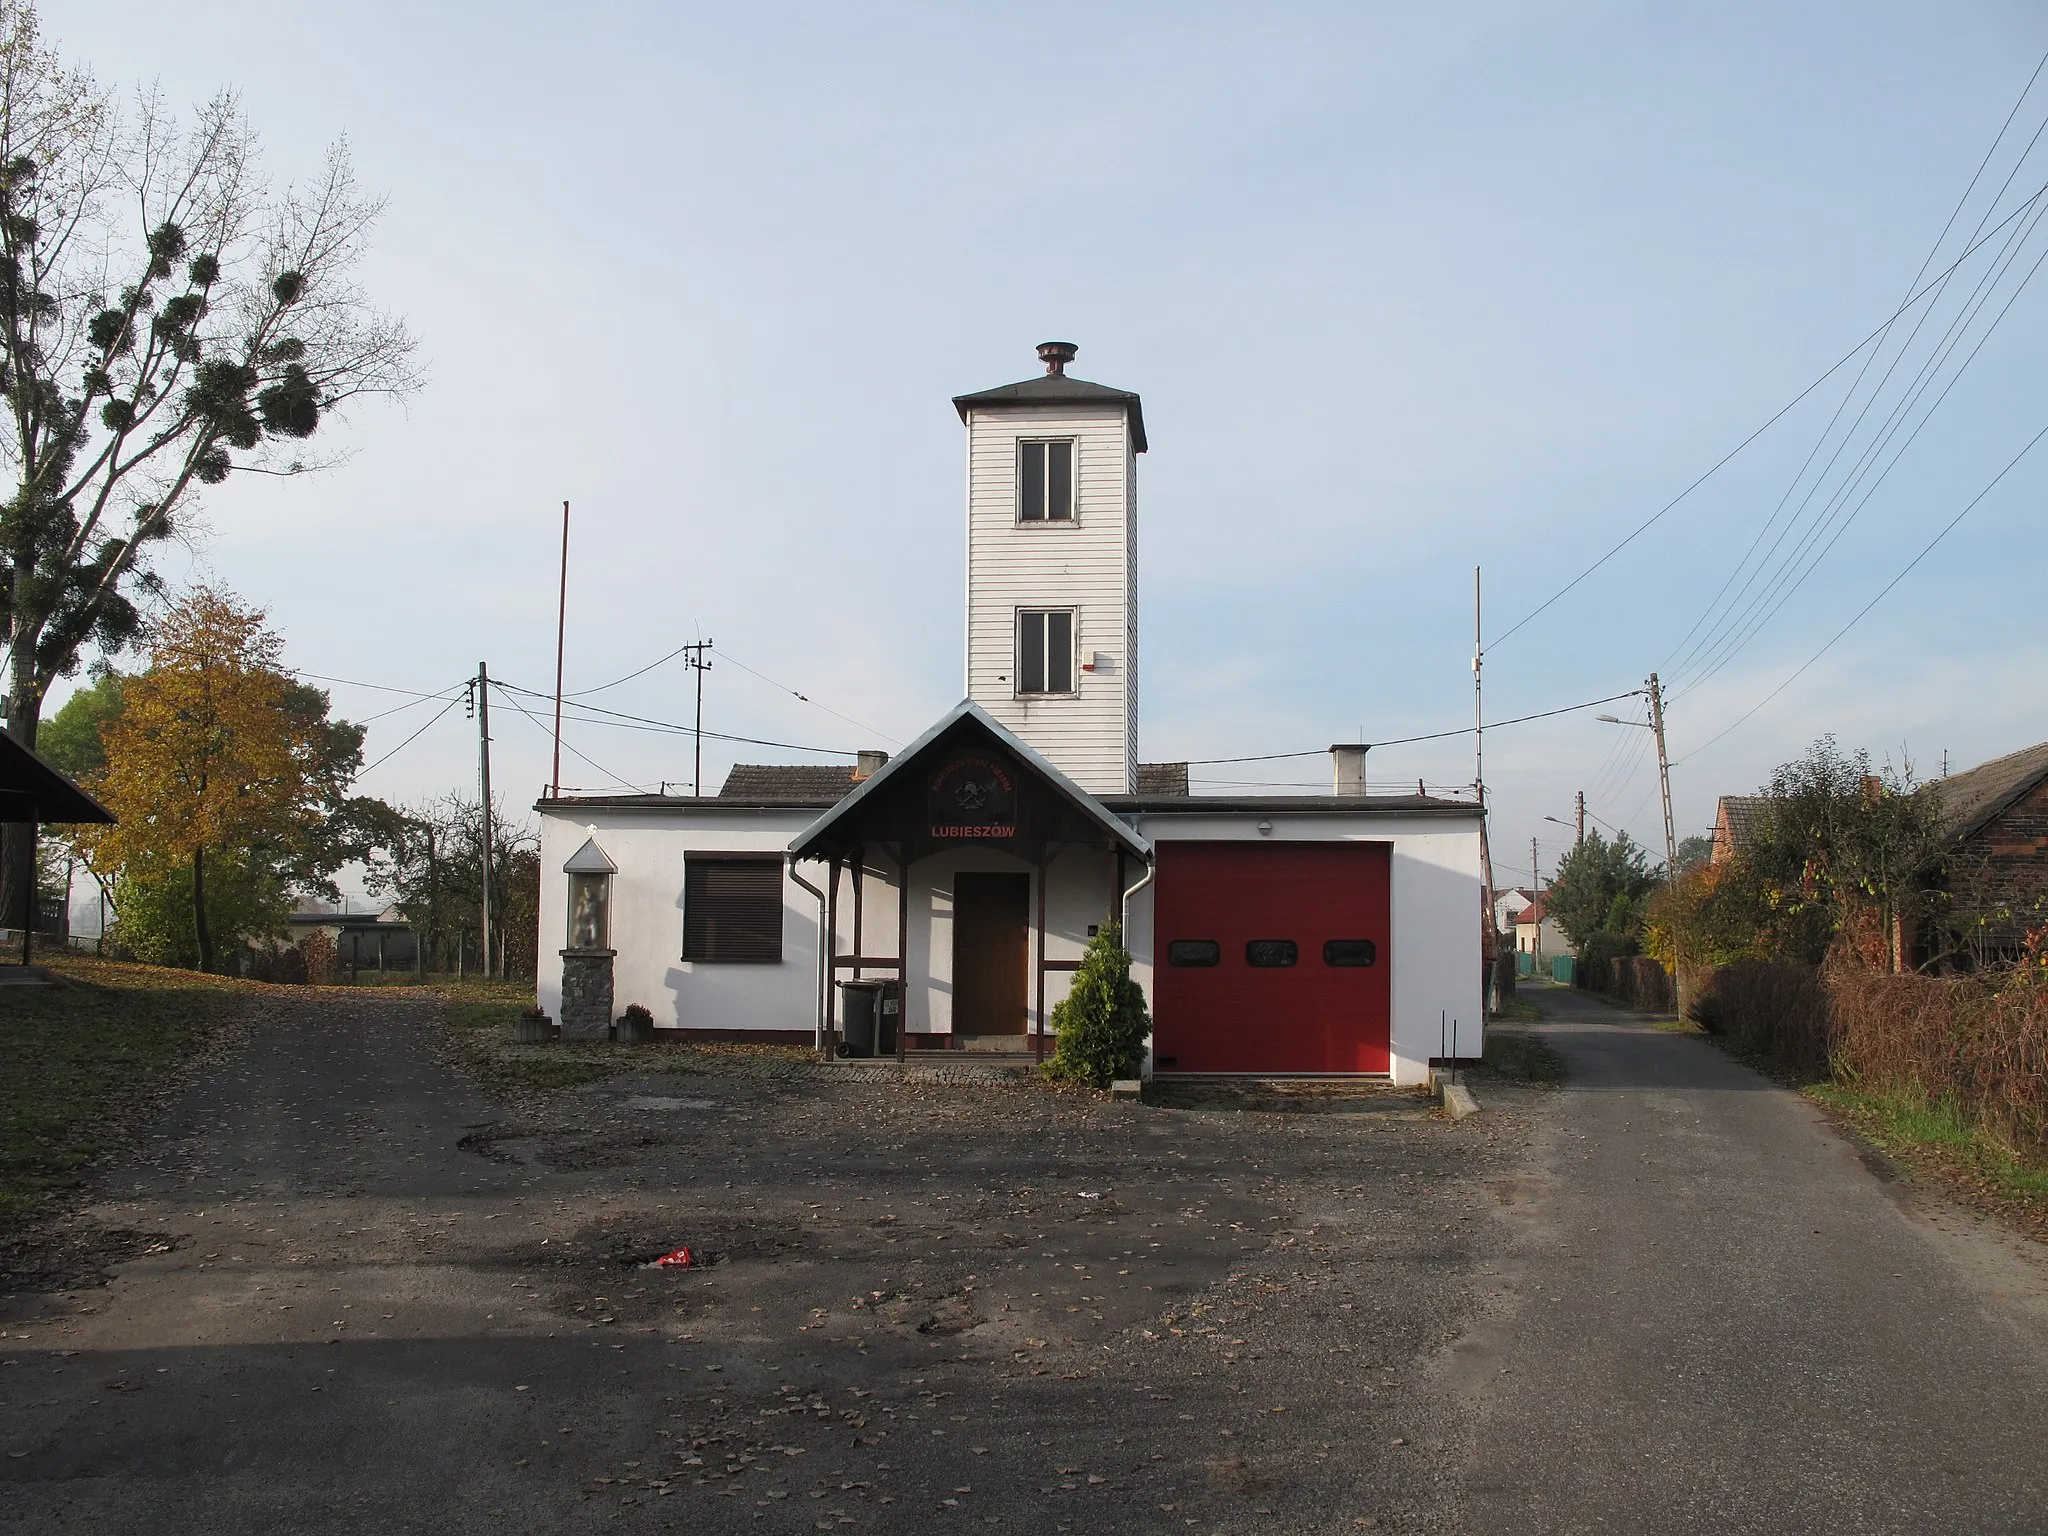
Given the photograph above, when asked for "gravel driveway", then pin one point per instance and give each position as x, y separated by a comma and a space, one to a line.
389, 1303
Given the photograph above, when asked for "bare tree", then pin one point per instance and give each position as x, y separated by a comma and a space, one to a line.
167, 319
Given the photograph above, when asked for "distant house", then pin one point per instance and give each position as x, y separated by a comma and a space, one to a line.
1509, 905
1537, 933
1995, 863
1737, 820
365, 941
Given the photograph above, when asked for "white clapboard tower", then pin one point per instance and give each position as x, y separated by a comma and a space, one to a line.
1052, 567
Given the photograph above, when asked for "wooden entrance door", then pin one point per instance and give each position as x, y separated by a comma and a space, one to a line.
991, 953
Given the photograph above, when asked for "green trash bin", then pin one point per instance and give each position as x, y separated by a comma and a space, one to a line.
1565, 969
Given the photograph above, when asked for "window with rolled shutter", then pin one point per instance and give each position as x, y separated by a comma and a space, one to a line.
732, 910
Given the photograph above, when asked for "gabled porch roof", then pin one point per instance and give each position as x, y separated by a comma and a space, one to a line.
899, 804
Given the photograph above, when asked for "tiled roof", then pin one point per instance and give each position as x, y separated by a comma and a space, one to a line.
1162, 778
1970, 799
1744, 814
826, 783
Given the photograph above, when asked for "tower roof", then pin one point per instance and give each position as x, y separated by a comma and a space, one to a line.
1053, 387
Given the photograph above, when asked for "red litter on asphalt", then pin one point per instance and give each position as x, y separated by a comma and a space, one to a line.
680, 1259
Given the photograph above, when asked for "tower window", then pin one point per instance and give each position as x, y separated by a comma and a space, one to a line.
1045, 650
1045, 482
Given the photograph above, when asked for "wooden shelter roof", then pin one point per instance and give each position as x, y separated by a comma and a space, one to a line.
966, 782
33, 791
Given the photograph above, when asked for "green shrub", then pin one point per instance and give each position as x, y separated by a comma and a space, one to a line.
1102, 1022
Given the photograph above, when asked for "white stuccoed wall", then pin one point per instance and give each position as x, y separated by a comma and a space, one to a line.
1434, 947
647, 917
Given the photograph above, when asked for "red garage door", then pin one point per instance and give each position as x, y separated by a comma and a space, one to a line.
1271, 957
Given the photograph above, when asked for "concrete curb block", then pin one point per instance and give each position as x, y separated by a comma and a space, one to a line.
1456, 1098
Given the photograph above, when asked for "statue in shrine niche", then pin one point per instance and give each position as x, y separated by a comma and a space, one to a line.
586, 915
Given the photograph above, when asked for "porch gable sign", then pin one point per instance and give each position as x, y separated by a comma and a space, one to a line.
972, 796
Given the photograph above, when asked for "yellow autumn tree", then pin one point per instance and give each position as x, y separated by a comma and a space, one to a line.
205, 762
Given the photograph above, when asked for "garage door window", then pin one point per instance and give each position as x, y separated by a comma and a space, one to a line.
1271, 954
1350, 952
1194, 952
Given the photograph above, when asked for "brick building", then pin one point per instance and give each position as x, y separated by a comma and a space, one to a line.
1995, 870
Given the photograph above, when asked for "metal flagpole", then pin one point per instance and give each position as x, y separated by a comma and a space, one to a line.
561, 626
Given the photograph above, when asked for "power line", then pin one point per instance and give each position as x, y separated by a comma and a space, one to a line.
1775, 418
1674, 660
804, 698
543, 729
1927, 550
1402, 741
1717, 644
1833, 522
807, 699
415, 736
399, 709
615, 682
353, 683
670, 726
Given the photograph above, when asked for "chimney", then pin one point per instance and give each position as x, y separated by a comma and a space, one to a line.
868, 763
1056, 355
1347, 769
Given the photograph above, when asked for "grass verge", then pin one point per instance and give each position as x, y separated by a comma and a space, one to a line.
1522, 1058
482, 1020
1517, 1012
1941, 1140
78, 1064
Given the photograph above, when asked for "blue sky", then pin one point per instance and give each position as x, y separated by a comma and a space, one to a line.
1406, 290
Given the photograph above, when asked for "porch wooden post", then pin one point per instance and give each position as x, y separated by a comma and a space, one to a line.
902, 947
1038, 1023
830, 939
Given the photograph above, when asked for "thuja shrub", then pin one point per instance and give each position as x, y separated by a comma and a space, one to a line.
1102, 1021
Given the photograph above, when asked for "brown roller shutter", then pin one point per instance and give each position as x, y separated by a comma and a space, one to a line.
732, 910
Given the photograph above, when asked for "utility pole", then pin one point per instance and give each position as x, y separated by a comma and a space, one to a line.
1535, 873
1486, 887
1581, 820
561, 626
696, 662
433, 898
1663, 775
483, 745
1670, 841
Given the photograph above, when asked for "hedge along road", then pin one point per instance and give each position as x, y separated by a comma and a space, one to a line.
1719, 1315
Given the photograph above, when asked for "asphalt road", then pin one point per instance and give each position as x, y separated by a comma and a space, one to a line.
1713, 1314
